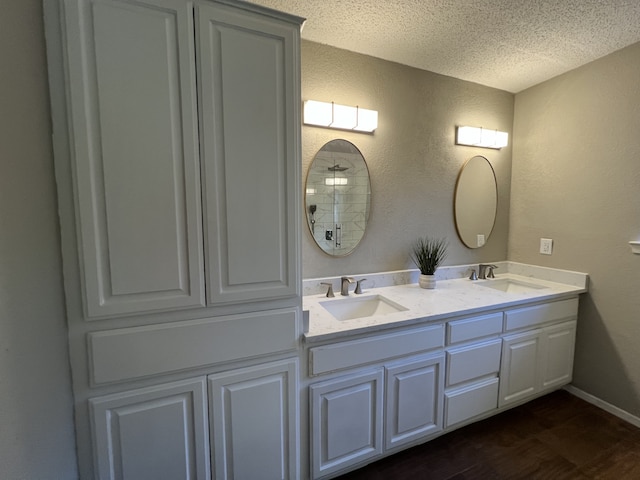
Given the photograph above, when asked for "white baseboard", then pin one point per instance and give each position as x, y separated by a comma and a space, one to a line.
607, 407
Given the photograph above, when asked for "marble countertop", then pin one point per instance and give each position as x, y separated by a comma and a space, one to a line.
451, 297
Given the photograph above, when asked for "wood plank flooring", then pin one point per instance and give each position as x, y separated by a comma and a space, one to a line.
558, 436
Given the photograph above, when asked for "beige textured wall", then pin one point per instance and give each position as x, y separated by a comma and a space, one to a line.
36, 425
412, 159
576, 179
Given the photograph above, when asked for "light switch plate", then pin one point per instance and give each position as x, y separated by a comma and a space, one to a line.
480, 240
546, 246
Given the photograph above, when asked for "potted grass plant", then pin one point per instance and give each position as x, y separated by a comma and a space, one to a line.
428, 253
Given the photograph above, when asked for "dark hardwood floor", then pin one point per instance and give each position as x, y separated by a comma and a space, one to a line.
558, 436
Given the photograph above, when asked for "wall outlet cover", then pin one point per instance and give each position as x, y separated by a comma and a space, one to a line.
546, 246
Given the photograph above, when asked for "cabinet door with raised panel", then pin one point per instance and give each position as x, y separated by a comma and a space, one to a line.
414, 394
557, 361
134, 154
156, 432
520, 367
254, 424
346, 421
250, 101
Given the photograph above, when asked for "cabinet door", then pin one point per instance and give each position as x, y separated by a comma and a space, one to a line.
519, 370
135, 154
346, 421
249, 88
254, 428
557, 361
414, 394
158, 432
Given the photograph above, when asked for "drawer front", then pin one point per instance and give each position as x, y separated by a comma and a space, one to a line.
128, 353
472, 328
540, 314
340, 356
467, 363
466, 403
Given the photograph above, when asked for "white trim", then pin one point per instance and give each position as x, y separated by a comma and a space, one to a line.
612, 409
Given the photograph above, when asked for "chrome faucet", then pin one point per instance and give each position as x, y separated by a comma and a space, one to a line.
344, 285
486, 271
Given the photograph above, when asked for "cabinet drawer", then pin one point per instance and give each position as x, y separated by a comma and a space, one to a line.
476, 327
339, 356
548, 312
127, 353
474, 361
466, 403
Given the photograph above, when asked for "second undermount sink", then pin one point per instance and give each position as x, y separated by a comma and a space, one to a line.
510, 285
360, 307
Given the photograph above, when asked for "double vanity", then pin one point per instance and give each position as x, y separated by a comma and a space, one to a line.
398, 365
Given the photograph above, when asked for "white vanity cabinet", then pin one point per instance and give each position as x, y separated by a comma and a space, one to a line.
377, 393
358, 417
171, 102
245, 425
539, 359
394, 399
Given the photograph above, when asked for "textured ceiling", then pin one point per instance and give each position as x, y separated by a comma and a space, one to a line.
506, 44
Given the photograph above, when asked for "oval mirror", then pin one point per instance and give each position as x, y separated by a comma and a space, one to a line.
338, 197
476, 201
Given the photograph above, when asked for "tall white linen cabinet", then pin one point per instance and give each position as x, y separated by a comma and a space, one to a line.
176, 130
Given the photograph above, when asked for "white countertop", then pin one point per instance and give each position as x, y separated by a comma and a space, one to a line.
451, 297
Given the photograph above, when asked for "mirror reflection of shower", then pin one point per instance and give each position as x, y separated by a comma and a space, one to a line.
312, 217
338, 186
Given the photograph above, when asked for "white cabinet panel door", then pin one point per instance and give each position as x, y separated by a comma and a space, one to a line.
254, 428
250, 101
414, 394
557, 362
157, 432
135, 154
346, 421
520, 367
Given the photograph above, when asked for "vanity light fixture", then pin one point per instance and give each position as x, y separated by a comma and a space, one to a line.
336, 181
343, 117
481, 137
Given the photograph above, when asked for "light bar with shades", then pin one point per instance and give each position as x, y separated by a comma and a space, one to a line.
343, 117
481, 137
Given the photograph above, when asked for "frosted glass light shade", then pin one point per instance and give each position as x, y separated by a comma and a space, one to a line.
318, 113
343, 117
481, 137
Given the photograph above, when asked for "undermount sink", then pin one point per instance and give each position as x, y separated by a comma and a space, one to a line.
360, 307
510, 285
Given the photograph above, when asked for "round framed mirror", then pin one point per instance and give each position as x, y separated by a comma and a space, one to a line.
476, 202
338, 197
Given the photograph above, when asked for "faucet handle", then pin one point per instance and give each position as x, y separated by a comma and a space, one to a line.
491, 268
358, 289
330, 293
474, 275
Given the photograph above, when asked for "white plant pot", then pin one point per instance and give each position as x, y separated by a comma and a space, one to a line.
427, 281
